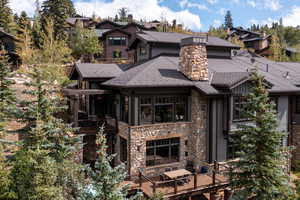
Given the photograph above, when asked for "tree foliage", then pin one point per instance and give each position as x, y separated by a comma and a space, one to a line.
105, 180
228, 20
260, 170
85, 42
58, 11
6, 17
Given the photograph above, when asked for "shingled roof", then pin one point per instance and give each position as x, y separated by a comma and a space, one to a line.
96, 71
163, 72
175, 38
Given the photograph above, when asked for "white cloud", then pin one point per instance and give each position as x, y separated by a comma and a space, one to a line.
222, 11
212, 1
272, 4
263, 22
188, 4
141, 9
292, 19
251, 3
217, 23
23, 5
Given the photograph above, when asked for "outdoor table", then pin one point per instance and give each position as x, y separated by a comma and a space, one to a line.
177, 173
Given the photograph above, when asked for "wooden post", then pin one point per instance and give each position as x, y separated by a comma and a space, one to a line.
154, 187
76, 110
140, 179
227, 194
175, 186
214, 172
195, 180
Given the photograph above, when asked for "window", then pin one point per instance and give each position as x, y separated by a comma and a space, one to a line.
146, 110
162, 151
124, 108
163, 109
123, 149
239, 103
117, 54
117, 41
143, 51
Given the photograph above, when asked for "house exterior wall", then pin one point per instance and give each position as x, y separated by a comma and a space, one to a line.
146, 56
193, 139
109, 49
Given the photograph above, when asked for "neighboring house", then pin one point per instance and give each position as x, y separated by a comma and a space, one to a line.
260, 43
116, 37
179, 107
84, 22
8, 42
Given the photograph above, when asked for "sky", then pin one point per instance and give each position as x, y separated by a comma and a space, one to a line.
197, 15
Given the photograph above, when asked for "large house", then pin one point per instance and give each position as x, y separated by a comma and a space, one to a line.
179, 104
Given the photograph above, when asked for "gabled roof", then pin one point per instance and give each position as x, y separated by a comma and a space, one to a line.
163, 71
228, 79
115, 30
158, 72
108, 22
96, 71
175, 38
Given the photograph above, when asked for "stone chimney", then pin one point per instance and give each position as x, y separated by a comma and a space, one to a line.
193, 58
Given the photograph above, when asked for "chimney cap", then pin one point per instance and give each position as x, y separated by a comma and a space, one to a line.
194, 40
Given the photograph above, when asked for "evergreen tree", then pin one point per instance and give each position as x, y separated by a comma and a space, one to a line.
7, 99
228, 20
116, 18
123, 14
276, 48
59, 11
5, 15
105, 180
260, 171
23, 21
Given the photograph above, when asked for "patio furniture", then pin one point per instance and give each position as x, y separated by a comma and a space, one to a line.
177, 173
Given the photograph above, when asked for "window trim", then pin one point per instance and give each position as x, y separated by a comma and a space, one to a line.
169, 145
153, 104
239, 119
112, 38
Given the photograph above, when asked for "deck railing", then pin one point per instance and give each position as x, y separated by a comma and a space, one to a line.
214, 170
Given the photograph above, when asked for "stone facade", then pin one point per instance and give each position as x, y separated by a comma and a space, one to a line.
193, 62
192, 136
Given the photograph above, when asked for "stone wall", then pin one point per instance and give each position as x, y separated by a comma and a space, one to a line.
193, 62
192, 135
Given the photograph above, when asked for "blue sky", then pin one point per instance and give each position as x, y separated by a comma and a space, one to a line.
194, 14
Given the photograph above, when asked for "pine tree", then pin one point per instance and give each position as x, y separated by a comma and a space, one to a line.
105, 180
5, 15
228, 20
260, 170
58, 11
52, 134
7, 99
23, 21
123, 14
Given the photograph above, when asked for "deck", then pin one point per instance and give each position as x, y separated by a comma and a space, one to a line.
197, 184
204, 184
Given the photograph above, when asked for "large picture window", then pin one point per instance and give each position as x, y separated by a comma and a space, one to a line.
161, 109
160, 152
117, 41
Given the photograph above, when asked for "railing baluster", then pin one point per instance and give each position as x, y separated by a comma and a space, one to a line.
154, 187
175, 186
195, 180
140, 178
214, 172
